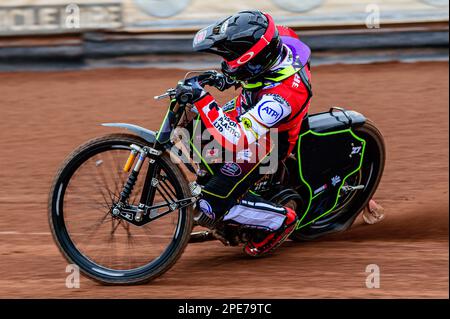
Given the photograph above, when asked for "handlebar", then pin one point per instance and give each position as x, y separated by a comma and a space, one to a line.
203, 79
162, 96
169, 93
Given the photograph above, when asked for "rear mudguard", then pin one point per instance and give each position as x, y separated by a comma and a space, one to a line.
334, 120
146, 134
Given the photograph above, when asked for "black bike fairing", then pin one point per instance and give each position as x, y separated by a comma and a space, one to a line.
325, 162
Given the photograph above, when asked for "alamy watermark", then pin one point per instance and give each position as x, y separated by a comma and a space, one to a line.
73, 279
73, 16
373, 16
202, 147
373, 277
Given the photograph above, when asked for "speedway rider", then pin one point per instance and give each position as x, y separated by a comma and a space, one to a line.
272, 66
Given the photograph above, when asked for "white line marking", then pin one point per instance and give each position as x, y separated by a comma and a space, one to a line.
78, 234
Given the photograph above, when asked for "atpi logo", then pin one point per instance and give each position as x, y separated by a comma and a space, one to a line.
270, 112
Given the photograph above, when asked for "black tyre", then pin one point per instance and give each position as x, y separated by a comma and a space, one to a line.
106, 248
351, 205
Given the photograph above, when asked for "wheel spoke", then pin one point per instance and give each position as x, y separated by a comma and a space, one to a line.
108, 241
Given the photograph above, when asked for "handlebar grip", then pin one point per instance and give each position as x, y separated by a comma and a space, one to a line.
184, 98
162, 96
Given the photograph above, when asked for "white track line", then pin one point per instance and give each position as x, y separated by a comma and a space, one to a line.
6, 233
20, 233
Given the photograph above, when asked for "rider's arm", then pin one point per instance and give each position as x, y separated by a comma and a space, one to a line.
248, 128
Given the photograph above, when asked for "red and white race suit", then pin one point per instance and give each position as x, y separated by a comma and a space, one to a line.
246, 120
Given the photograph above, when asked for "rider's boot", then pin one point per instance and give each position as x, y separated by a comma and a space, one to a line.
262, 246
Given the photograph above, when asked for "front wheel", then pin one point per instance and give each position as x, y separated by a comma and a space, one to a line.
105, 247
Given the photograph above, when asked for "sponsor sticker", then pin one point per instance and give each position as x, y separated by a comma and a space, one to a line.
244, 155
248, 126
245, 58
211, 112
247, 123
320, 189
270, 112
212, 153
229, 106
231, 169
200, 36
335, 180
225, 124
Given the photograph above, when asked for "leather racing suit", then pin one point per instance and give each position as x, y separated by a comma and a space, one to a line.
280, 101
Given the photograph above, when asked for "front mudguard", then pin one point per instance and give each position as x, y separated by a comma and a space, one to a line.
148, 135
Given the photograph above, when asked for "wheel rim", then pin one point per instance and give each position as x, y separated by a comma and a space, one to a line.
121, 254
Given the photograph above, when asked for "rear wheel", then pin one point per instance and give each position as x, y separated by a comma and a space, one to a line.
352, 203
107, 248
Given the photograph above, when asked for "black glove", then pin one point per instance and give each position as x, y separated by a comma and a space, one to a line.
222, 82
188, 93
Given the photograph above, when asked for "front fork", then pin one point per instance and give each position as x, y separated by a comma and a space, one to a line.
143, 213
141, 154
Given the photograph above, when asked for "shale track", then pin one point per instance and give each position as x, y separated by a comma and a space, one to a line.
46, 115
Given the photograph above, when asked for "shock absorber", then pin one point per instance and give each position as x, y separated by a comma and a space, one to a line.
132, 178
129, 185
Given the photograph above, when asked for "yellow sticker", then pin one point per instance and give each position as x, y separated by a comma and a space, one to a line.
247, 123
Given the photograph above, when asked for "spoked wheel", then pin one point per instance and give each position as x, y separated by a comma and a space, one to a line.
350, 204
106, 247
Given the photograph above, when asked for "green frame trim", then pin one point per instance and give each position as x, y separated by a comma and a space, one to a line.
171, 105
252, 192
196, 150
160, 129
311, 197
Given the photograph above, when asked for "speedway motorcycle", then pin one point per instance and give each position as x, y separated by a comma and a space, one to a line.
123, 210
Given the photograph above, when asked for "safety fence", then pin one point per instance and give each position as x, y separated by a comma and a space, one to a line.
35, 17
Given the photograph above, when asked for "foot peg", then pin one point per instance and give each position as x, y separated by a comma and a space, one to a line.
349, 188
201, 236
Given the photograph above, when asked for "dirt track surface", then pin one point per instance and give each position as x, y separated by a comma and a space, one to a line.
46, 115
